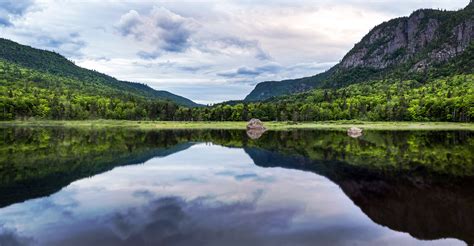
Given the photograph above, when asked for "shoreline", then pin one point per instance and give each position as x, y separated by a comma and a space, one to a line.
241, 125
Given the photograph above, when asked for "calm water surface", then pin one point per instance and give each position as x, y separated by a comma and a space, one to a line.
116, 187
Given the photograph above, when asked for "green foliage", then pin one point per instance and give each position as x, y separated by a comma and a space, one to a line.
39, 161
445, 99
439, 153
269, 89
402, 62
27, 93
53, 64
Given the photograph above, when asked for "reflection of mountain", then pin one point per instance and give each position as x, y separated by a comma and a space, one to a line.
427, 208
51, 182
417, 182
37, 162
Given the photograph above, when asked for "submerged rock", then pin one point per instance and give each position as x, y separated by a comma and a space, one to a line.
255, 124
354, 132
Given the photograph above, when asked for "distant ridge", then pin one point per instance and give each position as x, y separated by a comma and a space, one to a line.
54, 63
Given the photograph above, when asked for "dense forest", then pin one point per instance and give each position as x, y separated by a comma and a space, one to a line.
27, 93
444, 99
415, 68
53, 64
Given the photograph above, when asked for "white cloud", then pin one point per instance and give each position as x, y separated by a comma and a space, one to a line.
129, 23
208, 51
12, 9
169, 31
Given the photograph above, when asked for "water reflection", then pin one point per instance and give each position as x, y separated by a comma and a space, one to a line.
427, 207
189, 191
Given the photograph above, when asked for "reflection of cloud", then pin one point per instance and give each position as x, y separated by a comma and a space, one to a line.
205, 221
10, 237
122, 223
246, 176
143, 193
64, 206
172, 221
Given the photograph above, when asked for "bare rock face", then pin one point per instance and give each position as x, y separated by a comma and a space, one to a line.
411, 45
399, 40
255, 124
354, 132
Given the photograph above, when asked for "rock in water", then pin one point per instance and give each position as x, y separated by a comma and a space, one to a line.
255, 128
255, 124
354, 132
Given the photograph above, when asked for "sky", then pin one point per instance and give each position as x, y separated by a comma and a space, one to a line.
208, 51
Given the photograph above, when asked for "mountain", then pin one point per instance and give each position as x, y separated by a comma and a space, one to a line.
55, 64
427, 44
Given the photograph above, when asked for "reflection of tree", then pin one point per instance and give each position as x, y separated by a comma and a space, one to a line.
39, 162
417, 182
427, 207
438, 152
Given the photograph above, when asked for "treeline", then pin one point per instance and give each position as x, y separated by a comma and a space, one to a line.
445, 99
27, 93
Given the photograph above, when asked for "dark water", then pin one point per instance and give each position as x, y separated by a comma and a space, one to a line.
116, 187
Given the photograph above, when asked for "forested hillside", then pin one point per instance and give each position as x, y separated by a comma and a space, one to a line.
56, 65
417, 68
444, 99
27, 93
426, 45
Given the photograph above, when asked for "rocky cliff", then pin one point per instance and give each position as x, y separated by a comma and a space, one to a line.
426, 42
425, 37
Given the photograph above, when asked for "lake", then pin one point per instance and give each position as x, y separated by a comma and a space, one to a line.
86, 186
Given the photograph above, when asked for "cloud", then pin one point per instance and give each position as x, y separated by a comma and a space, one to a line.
129, 23
232, 45
161, 27
167, 31
145, 55
4, 21
262, 55
218, 43
252, 72
11, 9
245, 44
175, 29
194, 69
68, 45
